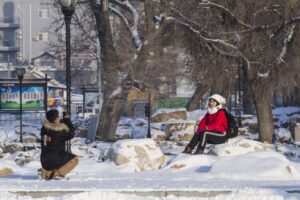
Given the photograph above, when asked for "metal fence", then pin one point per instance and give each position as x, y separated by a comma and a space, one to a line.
28, 117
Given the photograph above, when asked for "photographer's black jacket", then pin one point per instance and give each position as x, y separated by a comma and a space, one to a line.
53, 142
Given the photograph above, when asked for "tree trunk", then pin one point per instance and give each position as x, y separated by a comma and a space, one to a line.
109, 118
111, 76
194, 102
263, 106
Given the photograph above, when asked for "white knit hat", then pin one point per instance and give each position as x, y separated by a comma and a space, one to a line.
221, 100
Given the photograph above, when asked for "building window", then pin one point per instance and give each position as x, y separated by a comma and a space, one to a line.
43, 37
44, 13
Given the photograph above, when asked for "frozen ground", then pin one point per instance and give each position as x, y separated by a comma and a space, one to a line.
258, 171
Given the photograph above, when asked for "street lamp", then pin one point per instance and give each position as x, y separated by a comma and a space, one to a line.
148, 114
20, 73
68, 9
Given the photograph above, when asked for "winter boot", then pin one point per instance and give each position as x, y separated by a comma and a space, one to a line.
188, 150
198, 151
45, 174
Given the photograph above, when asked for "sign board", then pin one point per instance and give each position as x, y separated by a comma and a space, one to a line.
92, 128
33, 96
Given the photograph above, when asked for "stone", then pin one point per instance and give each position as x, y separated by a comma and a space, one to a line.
238, 145
253, 128
297, 133
29, 139
158, 135
141, 154
165, 116
6, 171
11, 147
82, 133
170, 128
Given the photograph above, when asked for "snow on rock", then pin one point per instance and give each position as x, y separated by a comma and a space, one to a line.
10, 147
185, 161
123, 132
283, 134
180, 131
141, 155
163, 115
256, 165
5, 171
158, 135
238, 145
196, 115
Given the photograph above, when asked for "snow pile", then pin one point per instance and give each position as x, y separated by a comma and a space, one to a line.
283, 134
140, 155
256, 165
238, 145
185, 161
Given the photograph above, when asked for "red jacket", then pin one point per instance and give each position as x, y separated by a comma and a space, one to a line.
216, 122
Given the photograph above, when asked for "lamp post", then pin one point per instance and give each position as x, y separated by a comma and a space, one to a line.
20, 73
148, 114
68, 9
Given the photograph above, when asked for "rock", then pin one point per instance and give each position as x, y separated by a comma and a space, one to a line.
29, 139
170, 128
165, 116
182, 136
123, 132
139, 132
253, 127
11, 147
82, 132
158, 135
180, 131
23, 158
6, 171
142, 154
1, 153
242, 131
238, 145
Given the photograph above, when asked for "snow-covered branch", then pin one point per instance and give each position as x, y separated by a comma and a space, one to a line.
133, 29
287, 40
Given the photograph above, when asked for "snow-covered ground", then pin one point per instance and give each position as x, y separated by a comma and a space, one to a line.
239, 169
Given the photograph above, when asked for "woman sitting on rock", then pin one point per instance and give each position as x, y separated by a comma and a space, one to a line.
212, 128
56, 162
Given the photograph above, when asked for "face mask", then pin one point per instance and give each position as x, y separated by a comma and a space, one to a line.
212, 110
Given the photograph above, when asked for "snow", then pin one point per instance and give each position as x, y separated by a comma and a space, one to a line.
252, 170
256, 166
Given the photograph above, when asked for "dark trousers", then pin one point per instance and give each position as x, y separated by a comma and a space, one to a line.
207, 137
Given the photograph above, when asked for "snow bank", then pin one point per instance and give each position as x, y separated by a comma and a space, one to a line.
141, 155
286, 110
185, 161
256, 165
237, 146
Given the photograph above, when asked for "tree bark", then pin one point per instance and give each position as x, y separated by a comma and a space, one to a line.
194, 102
263, 104
111, 76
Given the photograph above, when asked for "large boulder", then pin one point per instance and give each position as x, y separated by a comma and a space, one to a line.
168, 114
11, 148
238, 145
123, 132
180, 131
139, 154
158, 135
253, 128
5, 171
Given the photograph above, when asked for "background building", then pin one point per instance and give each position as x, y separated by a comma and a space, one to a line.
24, 28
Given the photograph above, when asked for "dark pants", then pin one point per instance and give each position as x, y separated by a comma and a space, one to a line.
207, 137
